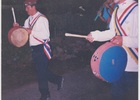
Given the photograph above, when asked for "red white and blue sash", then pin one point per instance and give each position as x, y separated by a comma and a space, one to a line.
120, 31
47, 49
32, 23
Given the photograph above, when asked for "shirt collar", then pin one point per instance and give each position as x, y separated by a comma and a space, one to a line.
34, 16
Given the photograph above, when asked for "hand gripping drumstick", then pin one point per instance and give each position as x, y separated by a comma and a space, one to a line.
75, 35
13, 14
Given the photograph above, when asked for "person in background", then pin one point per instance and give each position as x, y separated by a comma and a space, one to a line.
123, 31
105, 11
37, 26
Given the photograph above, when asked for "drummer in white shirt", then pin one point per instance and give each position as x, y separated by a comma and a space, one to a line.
125, 17
37, 26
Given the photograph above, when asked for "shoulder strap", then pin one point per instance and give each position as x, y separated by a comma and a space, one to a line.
35, 20
126, 13
133, 52
119, 21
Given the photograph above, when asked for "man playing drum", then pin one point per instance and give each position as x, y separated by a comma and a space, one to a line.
124, 32
39, 36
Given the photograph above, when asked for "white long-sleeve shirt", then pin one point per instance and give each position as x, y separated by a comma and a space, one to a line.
131, 28
40, 29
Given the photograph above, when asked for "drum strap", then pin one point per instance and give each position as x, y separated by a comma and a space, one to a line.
32, 23
47, 49
120, 31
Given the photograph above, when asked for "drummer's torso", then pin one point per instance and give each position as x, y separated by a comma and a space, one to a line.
40, 29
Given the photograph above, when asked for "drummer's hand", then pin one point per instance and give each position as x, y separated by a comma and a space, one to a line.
15, 24
28, 30
90, 38
117, 40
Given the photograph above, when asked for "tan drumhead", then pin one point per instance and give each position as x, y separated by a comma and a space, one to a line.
19, 37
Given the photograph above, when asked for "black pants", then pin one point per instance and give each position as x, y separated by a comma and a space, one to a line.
126, 88
43, 73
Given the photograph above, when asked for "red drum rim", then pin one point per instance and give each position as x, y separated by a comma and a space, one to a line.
18, 36
107, 64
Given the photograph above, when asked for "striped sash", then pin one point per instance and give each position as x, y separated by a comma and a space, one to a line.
32, 23
120, 31
47, 49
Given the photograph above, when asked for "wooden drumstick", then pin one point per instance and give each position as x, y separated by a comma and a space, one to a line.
75, 35
13, 14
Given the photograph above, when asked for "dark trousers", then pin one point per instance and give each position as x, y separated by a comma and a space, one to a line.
43, 73
126, 88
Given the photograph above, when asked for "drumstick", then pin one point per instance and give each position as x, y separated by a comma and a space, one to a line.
75, 35
13, 14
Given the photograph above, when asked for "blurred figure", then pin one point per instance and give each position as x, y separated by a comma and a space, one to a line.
105, 11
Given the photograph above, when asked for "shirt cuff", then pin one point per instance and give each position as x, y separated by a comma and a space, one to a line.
95, 35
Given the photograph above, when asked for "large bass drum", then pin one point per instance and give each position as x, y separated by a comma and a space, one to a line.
109, 62
18, 36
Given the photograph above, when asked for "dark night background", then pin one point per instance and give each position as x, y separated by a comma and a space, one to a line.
68, 53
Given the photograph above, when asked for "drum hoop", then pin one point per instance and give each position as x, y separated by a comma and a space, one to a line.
15, 42
95, 65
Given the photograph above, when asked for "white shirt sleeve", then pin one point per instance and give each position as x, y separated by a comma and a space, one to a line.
104, 35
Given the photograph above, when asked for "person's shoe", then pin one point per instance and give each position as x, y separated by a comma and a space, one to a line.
60, 84
45, 97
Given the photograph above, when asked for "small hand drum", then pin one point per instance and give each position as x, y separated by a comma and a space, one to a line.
18, 36
109, 62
